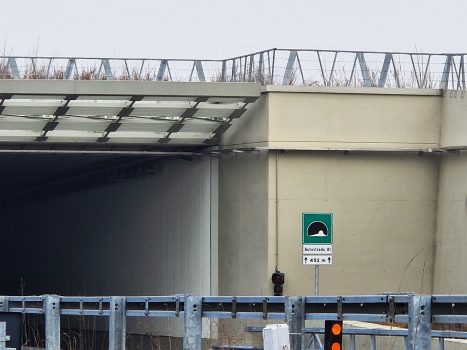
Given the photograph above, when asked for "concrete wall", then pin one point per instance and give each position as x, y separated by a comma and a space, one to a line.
384, 209
243, 224
353, 117
451, 233
383, 193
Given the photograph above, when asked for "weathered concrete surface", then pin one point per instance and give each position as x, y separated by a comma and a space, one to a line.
384, 193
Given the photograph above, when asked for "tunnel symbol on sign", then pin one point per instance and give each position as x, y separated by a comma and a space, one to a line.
317, 229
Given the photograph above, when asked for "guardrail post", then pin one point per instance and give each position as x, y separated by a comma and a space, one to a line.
295, 318
3, 303
3, 338
52, 322
419, 336
117, 323
192, 324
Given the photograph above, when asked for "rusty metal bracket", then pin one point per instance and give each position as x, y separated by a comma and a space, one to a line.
177, 306
339, 308
234, 307
265, 308
392, 309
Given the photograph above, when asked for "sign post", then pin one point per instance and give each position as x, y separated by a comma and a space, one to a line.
317, 241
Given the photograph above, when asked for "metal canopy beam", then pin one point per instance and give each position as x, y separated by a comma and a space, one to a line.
127, 88
120, 112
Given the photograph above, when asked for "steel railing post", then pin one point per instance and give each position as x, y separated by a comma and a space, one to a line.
3, 303
117, 323
441, 344
193, 314
419, 336
295, 318
52, 322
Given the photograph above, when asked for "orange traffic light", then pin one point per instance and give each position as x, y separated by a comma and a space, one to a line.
336, 329
333, 335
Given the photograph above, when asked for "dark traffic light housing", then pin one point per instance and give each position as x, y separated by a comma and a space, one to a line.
278, 279
333, 335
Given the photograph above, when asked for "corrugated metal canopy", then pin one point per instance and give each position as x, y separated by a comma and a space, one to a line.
120, 112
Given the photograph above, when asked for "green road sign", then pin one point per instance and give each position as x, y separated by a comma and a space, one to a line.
317, 228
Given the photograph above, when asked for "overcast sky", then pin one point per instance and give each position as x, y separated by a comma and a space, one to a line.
212, 29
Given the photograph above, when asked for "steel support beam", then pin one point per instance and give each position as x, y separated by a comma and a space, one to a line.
117, 323
461, 82
419, 336
426, 73
352, 342
107, 70
33, 63
295, 318
69, 69
259, 75
373, 342
384, 70
364, 69
234, 71
332, 68
445, 78
52, 322
352, 72
13, 67
200, 71
288, 75
192, 324
415, 72
441, 344
250, 68
271, 66
162, 68
224, 71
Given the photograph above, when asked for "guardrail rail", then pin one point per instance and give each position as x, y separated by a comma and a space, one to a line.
418, 311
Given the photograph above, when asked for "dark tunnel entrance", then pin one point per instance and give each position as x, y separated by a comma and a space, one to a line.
103, 225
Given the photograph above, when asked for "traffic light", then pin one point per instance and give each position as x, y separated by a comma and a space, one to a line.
333, 335
278, 279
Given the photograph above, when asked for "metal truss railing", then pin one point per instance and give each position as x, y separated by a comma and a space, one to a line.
269, 67
418, 311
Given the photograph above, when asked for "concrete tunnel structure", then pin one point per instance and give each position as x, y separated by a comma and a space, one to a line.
216, 214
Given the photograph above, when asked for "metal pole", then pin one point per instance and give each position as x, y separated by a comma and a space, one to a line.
316, 279
419, 336
117, 323
52, 322
192, 324
295, 318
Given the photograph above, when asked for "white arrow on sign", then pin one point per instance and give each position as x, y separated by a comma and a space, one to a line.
317, 259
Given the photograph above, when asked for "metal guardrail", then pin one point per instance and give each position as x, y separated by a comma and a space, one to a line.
3, 336
270, 67
418, 311
315, 342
